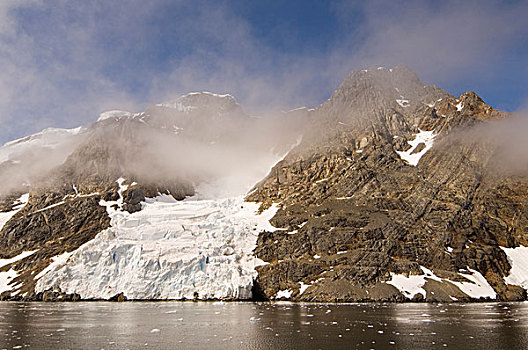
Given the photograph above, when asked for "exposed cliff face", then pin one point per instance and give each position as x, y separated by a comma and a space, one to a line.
360, 206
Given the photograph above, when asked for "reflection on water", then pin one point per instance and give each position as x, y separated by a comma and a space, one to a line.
187, 325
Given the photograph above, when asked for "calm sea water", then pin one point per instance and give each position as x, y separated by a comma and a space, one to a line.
188, 325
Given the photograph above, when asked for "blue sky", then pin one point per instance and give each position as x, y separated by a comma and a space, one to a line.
65, 61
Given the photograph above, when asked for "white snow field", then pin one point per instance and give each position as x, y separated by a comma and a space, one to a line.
168, 250
426, 137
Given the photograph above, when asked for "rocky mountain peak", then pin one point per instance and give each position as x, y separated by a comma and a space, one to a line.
471, 104
370, 96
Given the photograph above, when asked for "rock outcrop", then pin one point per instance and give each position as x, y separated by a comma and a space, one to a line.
357, 209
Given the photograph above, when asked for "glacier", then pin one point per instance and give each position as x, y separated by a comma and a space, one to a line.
195, 248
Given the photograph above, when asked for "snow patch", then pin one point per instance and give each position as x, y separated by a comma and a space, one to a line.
410, 286
478, 287
518, 258
413, 284
23, 255
403, 102
284, 294
304, 287
180, 104
180, 107
19, 204
57, 261
114, 114
426, 137
5, 278
50, 138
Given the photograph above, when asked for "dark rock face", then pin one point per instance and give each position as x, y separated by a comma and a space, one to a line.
353, 212
50, 231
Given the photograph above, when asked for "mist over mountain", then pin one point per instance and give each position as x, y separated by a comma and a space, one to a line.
390, 190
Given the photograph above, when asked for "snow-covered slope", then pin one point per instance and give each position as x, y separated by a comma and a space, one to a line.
50, 138
19, 204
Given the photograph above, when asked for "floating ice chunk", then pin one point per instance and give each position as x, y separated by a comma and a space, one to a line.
425, 137
518, 258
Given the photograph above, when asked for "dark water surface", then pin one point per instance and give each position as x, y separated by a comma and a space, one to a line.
187, 325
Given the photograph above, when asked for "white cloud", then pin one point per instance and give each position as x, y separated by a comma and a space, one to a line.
63, 62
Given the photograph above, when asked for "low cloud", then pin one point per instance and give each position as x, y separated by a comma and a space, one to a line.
64, 62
